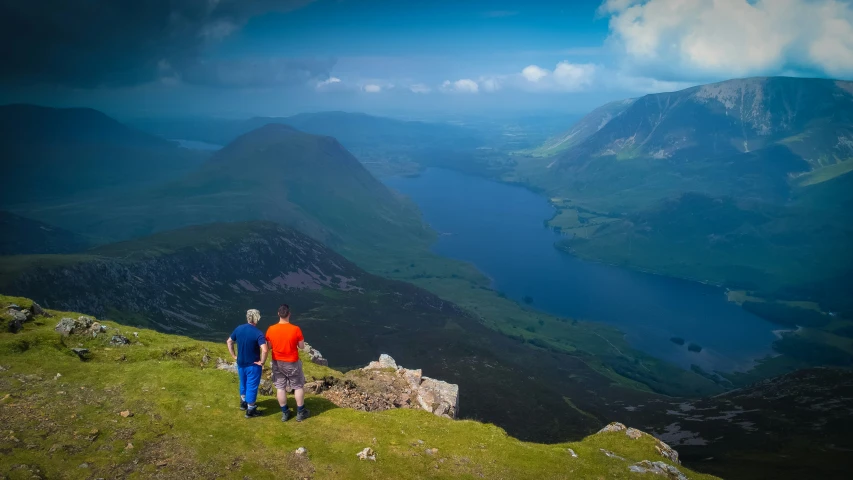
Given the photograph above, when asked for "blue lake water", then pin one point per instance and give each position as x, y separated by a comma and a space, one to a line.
500, 229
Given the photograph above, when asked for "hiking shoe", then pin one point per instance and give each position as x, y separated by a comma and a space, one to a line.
253, 412
285, 415
302, 414
244, 405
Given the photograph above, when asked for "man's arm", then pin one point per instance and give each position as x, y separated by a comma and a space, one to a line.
301, 345
230, 344
264, 350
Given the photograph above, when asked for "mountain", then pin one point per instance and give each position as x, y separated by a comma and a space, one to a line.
743, 183
59, 153
745, 138
586, 126
24, 236
274, 173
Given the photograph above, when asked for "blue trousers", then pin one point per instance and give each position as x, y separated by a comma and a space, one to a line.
250, 379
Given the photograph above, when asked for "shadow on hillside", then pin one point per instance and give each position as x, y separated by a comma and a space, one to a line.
317, 405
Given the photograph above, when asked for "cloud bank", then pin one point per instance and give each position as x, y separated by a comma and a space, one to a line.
689, 39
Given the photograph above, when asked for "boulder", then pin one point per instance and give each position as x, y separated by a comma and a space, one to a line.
634, 434
667, 452
658, 468
385, 361
439, 397
16, 325
67, 326
38, 311
19, 315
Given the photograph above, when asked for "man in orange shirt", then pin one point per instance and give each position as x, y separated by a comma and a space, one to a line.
285, 340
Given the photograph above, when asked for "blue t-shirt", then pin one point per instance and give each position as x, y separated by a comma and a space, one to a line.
249, 340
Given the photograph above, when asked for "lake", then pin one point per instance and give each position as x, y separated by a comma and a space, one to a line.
500, 229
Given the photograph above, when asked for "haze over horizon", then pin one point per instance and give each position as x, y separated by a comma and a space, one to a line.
416, 58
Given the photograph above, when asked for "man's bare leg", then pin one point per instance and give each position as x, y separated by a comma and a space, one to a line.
299, 394
281, 394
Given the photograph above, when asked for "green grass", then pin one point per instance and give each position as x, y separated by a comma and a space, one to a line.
60, 413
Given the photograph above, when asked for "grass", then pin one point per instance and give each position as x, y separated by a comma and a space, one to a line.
825, 173
62, 420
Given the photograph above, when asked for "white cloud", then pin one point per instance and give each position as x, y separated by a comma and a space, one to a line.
566, 77
533, 73
327, 82
419, 88
730, 38
372, 88
573, 77
465, 85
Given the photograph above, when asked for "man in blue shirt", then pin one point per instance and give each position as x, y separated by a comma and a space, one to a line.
251, 355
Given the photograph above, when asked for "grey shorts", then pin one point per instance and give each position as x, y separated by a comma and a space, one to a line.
287, 376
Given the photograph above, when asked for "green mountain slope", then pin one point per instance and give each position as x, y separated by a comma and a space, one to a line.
273, 173
24, 236
64, 153
586, 126
63, 418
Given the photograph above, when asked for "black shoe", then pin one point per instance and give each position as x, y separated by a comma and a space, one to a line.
253, 412
244, 405
285, 415
302, 414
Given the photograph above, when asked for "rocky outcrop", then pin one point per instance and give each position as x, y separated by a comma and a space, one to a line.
315, 356
383, 385
80, 326
662, 448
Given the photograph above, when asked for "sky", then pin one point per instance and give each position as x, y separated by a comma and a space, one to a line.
238, 58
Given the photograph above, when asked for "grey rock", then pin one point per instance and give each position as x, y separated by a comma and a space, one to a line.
572, 453
38, 311
658, 468
634, 434
667, 452
439, 397
18, 314
315, 355
301, 451
119, 340
81, 352
85, 322
14, 306
613, 427
67, 326
367, 454
228, 367
16, 325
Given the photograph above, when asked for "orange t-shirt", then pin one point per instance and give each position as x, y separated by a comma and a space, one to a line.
283, 339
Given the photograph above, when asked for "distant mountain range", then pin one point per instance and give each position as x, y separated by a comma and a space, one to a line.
58, 153
771, 156
275, 172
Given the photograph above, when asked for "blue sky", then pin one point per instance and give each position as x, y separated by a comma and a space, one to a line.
416, 57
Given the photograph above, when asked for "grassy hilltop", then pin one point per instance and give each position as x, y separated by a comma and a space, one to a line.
63, 418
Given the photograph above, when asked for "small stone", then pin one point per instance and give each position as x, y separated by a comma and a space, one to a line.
633, 433
367, 454
84, 465
611, 454
126, 413
5, 397
161, 463
301, 451
119, 340
431, 451
136, 334
58, 375
572, 453
129, 446
81, 352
